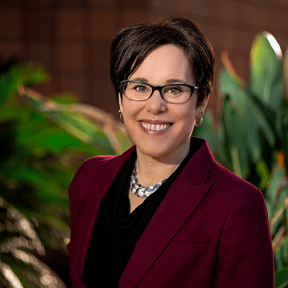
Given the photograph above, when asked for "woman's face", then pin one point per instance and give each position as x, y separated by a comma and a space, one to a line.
165, 65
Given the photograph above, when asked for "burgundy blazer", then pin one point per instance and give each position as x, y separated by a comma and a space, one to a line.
210, 230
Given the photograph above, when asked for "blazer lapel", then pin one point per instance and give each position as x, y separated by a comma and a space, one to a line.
181, 200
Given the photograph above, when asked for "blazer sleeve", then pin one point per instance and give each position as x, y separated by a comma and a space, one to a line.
245, 256
71, 247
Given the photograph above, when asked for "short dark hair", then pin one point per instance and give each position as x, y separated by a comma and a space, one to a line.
133, 43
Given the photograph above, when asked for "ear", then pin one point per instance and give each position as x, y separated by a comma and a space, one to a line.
120, 102
201, 108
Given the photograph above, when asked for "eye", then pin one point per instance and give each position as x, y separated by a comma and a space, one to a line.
140, 88
173, 90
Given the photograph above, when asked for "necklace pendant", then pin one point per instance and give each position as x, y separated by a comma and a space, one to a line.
141, 192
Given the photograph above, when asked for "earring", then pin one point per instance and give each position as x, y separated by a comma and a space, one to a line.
121, 116
197, 125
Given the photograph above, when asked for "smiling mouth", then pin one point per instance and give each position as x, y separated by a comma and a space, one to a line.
155, 127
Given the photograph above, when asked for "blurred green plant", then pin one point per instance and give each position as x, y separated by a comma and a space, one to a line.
252, 137
37, 162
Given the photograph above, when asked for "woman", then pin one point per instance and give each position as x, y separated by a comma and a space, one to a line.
164, 213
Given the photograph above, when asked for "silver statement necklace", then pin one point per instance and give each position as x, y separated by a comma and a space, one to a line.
140, 191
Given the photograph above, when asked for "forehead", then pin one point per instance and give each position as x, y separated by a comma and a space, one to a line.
164, 63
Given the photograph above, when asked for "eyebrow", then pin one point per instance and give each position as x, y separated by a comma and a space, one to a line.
169, 81
179, 81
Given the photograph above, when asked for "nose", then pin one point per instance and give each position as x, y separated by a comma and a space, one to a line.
155, 104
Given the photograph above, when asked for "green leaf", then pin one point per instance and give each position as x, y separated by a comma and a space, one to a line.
72, 121
83, 129
278, 260
281, 278
123, 139
212, 136
64, 98
266, 70
285, 71
229, 85
251, 116
20, 74
236, 136
263, 171
271, 195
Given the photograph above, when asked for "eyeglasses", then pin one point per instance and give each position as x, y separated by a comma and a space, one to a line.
172, 93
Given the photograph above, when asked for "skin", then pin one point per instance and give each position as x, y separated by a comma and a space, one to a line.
159, 153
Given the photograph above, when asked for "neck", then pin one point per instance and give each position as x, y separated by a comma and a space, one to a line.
152, 170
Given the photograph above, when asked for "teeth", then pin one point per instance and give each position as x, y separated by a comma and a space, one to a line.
153, 127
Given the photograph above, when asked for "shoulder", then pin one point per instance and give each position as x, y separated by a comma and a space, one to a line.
98, 163
222, 176
96, 169
232, 188
85, 174
91, 166
241, 204
95, 162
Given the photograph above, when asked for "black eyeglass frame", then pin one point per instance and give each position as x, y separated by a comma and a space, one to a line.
159, 88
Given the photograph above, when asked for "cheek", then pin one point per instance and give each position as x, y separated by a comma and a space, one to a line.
130, 112
187, 116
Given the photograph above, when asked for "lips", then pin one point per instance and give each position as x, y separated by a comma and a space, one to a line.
155, 126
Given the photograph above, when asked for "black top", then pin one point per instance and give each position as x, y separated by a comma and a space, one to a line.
116, 231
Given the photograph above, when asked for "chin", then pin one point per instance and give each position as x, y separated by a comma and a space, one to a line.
153, 150
157, 152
